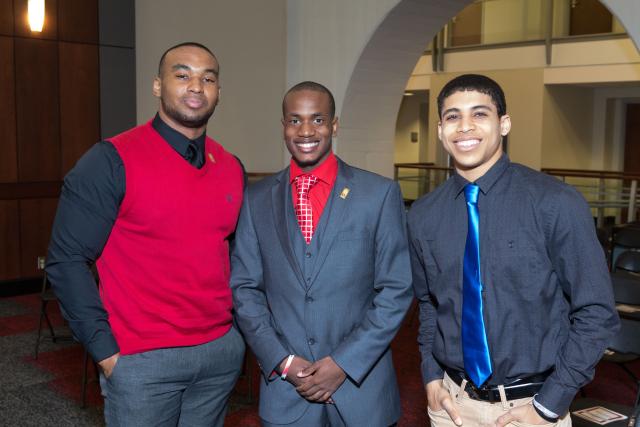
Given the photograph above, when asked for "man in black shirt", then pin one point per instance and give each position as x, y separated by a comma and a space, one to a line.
515, 301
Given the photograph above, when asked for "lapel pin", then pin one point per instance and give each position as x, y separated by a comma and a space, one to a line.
344, 193
213, 160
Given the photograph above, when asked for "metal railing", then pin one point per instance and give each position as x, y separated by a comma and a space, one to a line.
416, 179
605, 191
608, 193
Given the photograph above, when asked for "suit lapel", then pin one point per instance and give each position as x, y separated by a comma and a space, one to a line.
338, 209
280, 196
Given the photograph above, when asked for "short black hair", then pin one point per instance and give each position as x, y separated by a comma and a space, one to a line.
474, 82
192, 44
316, 87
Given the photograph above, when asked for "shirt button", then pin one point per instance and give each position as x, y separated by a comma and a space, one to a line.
311, 341
309, 299
308, 254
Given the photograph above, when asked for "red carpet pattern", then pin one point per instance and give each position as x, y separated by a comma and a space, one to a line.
55, 376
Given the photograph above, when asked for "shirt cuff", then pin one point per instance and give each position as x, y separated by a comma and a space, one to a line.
431, 370
549, 415
102, 345
556, 397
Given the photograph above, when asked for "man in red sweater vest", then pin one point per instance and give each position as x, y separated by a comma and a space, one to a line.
154, 207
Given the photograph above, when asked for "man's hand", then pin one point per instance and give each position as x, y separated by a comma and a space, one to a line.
108, 364
297, 364
525, 414
438, 398
321, 380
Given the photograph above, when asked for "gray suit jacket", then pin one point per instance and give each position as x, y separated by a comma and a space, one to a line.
350, 305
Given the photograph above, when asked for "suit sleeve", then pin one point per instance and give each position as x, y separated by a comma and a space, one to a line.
392, 284
253, 315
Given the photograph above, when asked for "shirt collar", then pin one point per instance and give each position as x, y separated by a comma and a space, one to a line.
176, 140
486, 181
325, 171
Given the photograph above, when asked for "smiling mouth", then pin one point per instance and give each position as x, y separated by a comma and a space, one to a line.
307, 146
467, 144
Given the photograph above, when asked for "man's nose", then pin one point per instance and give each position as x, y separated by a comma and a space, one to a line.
306, 129
465, 125
195, 85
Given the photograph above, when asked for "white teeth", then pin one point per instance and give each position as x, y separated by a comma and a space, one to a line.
307, 145
468, 143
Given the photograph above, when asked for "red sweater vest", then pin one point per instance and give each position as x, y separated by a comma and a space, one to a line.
164, 272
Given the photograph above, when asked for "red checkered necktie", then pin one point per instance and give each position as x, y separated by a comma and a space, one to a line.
304, 213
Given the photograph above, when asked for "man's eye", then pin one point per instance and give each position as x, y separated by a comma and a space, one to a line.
451, 117
480, 114
294, 121
209, 80
318, 121
181, 76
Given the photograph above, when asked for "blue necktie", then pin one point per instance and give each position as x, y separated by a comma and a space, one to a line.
475, 349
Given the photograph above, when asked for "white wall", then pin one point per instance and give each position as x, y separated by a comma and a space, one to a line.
249, 39
609, 114
407, 151
567, 136
325, 39
508, 20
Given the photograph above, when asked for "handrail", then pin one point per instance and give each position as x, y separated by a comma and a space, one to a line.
588, 173
622, 198
624, 193
428, 178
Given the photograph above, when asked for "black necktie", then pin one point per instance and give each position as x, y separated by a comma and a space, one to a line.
194, 156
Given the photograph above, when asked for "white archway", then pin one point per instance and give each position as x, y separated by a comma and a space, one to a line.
374, 92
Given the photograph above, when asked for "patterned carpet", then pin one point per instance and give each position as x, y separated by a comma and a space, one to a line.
47, 391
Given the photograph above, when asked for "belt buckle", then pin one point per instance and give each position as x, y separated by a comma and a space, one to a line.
483, 395
473, 392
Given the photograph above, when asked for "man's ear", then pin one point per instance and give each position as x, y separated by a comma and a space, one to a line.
334, 126
505, 125
157, 86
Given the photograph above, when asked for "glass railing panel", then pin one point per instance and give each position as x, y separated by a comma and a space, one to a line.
490, 22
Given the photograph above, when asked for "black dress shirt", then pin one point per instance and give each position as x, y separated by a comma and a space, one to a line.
548, 302
91, 196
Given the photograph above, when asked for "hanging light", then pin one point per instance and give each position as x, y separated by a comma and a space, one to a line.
36, 14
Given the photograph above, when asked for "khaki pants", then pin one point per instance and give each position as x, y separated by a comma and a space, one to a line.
476, 413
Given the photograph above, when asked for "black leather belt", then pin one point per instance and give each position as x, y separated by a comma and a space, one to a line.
519, 389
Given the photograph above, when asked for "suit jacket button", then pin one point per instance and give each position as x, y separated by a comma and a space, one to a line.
309, 299
312, 341
308, 254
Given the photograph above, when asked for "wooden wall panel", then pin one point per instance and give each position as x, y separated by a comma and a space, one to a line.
10, 238
8, 159
79, 101
21, 21
38, 121
78, 20
36, 219
6, 17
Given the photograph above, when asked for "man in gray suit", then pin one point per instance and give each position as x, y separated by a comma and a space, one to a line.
321, 278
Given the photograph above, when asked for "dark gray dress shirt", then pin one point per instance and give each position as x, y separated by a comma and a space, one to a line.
548, 302
89, 203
